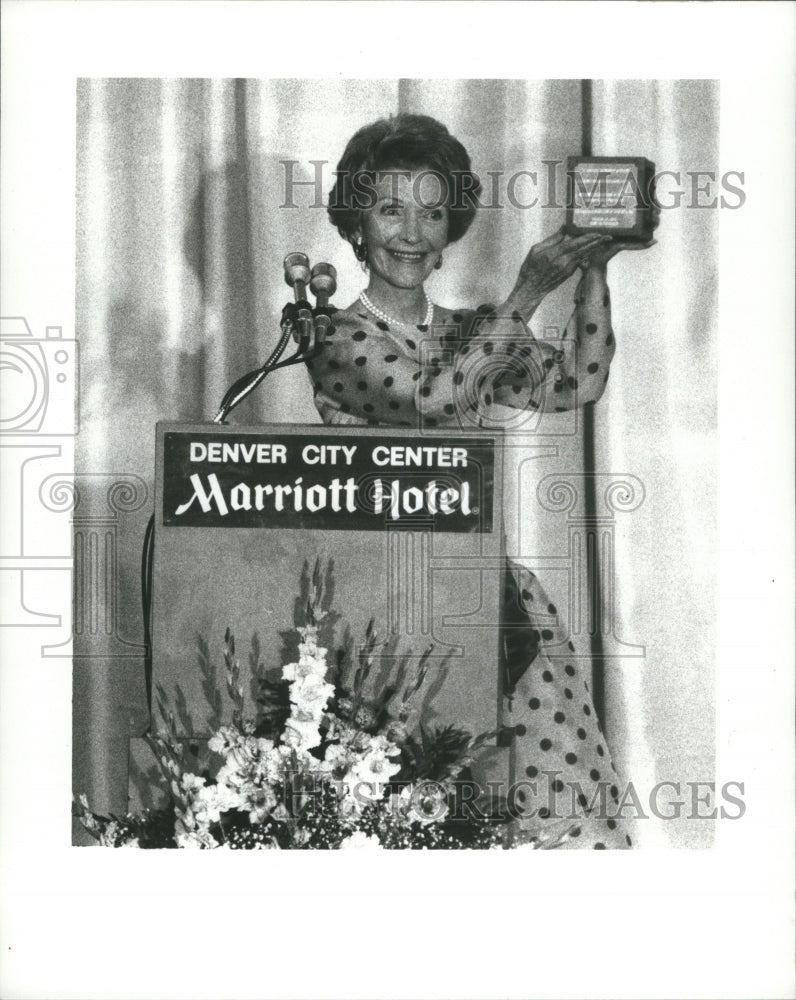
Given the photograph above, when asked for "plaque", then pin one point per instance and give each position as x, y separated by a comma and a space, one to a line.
612, 195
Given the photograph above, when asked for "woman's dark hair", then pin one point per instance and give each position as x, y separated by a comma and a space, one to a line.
403, 142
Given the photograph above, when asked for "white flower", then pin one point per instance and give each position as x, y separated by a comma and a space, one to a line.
304, 715
367, 779
192, 783
309, 638
227, 798
108, 835
193, 838
383, 745
230, 776
301, 735
273, 762
309, 653
307, 666
360, 839
210, 802
311, 693
337, 759
224, 741
293, 671
363, 792
245, 751
375, 767
309, 633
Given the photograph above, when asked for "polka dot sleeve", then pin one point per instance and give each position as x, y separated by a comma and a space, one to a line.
462, 364
577, 366
393, 376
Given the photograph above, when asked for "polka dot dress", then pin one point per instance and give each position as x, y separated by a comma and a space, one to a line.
463, 363
565, 778
442, 375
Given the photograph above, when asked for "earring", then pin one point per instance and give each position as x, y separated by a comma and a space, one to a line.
361, 250
438, 265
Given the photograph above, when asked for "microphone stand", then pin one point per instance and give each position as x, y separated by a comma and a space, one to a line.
298, 319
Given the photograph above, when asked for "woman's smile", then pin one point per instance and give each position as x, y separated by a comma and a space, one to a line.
406, 256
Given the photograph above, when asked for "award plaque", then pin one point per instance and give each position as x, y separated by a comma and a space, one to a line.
612, 195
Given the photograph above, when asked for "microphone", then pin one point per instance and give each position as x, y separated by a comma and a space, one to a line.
297, 275
323, 285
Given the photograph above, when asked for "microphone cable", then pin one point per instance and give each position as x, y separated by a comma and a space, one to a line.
294, 314
241, 388
147, 563
236, 393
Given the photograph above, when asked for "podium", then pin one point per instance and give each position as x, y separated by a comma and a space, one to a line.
405, 525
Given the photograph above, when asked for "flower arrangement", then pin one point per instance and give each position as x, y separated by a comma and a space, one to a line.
321, 767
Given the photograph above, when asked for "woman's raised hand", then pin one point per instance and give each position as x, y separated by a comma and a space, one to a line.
555, 259
601, 254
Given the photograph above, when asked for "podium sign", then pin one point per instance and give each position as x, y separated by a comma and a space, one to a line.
409, 523
301, 482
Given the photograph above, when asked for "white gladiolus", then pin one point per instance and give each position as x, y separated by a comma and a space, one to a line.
309, 693
301, 735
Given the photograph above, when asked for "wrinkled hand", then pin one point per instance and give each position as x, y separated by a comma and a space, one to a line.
555, 259
600, 255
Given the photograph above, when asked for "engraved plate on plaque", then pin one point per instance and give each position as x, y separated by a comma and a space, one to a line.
612, 195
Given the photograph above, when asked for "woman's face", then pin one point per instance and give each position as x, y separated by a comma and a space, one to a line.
406, 229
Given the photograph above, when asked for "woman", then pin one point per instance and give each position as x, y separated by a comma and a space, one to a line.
403, 193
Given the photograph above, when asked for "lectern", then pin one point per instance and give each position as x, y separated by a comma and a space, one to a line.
407, 525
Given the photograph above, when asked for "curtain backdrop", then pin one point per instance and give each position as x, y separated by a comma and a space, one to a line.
181, 234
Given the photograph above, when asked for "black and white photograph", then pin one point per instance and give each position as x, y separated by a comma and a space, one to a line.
374, 328
400, 460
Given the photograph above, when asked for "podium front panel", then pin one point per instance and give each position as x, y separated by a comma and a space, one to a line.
408, 524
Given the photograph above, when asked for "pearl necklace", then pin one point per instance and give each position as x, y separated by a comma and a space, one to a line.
397, 322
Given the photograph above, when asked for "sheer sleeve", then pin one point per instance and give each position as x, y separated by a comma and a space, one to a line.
463, 364
576, 367
367, 372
